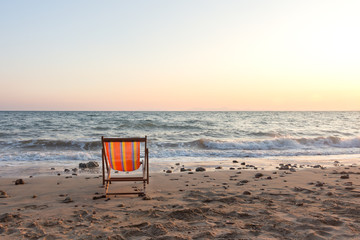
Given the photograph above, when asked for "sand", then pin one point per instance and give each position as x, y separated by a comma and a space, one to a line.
312, 203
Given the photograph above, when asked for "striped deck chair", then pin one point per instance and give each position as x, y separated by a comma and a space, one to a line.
123, 155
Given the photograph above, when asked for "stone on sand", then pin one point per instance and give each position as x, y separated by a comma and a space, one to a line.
19, 181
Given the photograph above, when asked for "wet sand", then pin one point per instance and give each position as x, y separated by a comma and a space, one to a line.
312, 203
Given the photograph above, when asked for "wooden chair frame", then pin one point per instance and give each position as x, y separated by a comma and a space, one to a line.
107, 179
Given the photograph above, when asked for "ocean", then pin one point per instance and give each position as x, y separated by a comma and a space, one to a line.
32, 139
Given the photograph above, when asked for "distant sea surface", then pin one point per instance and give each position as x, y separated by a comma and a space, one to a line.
27, 137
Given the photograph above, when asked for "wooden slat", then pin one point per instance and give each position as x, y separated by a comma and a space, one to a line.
126, 179
124, 139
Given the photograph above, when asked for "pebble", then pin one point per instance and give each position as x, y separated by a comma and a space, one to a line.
3, 194
234, 161
344, 177
19, 181
67, 200
232, 168
200, 169
168, 171
319, 184
258, 175
246, 193
219, 167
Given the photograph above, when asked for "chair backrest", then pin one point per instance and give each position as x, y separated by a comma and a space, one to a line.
123, 154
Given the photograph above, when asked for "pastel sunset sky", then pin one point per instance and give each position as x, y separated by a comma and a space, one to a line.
180, 55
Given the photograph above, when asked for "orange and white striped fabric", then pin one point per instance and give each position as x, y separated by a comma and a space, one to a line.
123, 156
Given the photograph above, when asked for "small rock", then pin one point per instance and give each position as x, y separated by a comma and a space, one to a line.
190, 173
52, 168
286, 167
92, 164
34, 196
67, 200
243, 163
58, 174
329, 194
74, 169
344, 177
200, 169
319, 184
270, 178
177, 164
82, 165
292, 170
258, 175
19, 181
232, 168
234, 161
3, 194
219, 167
246, 193
168, 171
66, 170
120, 205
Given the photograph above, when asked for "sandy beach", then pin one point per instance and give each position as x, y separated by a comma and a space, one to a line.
312, 203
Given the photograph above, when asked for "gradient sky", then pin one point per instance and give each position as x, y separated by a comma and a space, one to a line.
180, 55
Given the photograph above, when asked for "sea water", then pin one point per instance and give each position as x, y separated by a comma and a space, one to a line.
30, 139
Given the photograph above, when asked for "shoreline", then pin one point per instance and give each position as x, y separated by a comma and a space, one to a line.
313, 203
51, 168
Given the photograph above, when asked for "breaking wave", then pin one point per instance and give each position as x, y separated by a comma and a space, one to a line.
280, 143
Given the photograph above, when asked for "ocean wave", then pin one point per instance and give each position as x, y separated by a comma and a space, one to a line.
50, 156
53, 144
280, 143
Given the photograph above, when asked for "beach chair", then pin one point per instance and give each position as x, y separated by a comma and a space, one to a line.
123, 155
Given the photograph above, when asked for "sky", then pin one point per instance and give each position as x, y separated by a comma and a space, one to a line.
257, 55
